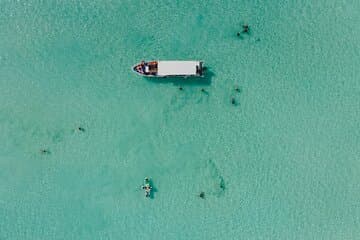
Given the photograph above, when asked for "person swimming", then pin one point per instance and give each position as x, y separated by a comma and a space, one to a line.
202, 195
181, 88
233, 101
44, 151
81, 129
203, 90
245, 28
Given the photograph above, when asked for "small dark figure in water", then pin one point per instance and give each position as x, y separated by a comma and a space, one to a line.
238, 34
44, 151
81, 129
237, 89
245, 28
222, 185
233, 102
204, 91
202, 195
180, 88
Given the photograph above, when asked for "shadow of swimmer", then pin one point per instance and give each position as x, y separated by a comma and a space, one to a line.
153, 190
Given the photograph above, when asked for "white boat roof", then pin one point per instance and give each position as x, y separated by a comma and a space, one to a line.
166, 68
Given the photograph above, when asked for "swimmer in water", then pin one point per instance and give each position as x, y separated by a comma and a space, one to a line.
44, 151
245, 28
233, 102
204, 91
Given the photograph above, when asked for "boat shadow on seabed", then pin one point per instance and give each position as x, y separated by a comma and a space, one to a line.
189, 81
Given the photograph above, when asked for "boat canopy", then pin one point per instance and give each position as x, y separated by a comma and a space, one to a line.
178, 68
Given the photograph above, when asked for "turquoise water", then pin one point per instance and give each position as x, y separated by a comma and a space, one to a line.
281, 164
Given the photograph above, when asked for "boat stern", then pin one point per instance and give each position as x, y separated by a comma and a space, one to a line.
200, 69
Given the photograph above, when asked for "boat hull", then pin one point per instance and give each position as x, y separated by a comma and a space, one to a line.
163, 69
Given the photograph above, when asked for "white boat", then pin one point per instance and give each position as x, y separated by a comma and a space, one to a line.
169, 69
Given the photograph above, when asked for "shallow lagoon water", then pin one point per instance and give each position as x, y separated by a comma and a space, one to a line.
281, 164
